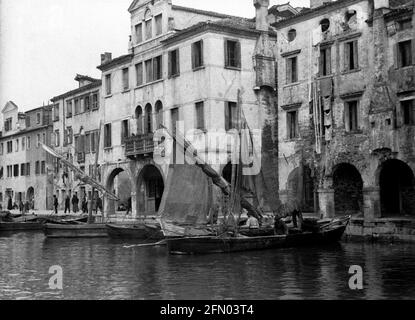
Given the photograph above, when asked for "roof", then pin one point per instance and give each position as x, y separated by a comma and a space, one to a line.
90, 86
115, 62
232, 25
80, 77
308, 13
204, 12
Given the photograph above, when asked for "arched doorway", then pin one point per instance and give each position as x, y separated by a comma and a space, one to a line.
150, 189
119, 183
300, 188
397, 189
348, 190
30, 196
139, 120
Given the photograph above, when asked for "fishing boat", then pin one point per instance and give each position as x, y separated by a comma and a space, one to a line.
8, 222
84, 230
330, 234
143, 231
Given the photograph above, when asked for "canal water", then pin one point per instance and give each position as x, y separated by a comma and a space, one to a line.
104, 269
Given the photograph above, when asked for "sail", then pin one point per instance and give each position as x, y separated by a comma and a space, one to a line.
186, 197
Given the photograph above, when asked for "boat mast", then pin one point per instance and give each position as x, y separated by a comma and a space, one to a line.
94, 176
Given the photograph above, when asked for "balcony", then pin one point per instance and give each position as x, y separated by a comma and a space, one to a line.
139, 145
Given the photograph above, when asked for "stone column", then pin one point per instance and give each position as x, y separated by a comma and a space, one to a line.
326, 203
371, 199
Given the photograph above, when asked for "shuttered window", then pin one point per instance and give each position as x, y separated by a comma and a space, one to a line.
139, 74
325, 61
125, 79
351, 56
404, 53
200, 116
174, 63
149, 29
124, 131
158, 20
292, 72
292, 124
197, 54
232, 54
139, 33
149, 71
408, 112
230, 115
157, 68
107, 136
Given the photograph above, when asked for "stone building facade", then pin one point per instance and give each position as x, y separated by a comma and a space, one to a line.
76, 126
346, 109
24, 167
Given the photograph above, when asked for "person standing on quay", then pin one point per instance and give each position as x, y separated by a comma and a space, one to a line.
67, 204
55, 204
75, 203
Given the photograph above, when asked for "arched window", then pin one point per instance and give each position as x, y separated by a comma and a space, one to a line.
139, 119
159, 114
148, 122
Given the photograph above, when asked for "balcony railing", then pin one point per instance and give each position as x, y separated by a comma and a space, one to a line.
139, 145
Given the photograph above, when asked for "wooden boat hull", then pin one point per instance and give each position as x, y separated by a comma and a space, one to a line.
210, 245
140, 231
21, 226
75, 231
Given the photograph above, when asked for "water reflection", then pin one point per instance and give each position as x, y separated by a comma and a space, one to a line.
104, 269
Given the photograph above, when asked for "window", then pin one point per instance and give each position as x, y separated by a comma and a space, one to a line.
351, 116
174, 63
1, 177
139, 74
159, 24
22, 169
159, 114
55, 113
197, 55
292, 73
157, 68
139, 33
9, 171
69, 135
27, 169
149, 29
37, 118
94, 141
1, 149
37, 167
325, 61
76, 138
23, 143
88, 142
27, 121
57, 138
69, 109
351, 57
87, 102
28, 143
292, 34
232, 54
107, 136
200, 116
77, 107
149, 119
405, 24
16, 145
408, 112
16, 170
292, 124
108, 84
149, 71
124, 131
9, 146
404, 54
44, 138
125, 79
8, 125
95, 101
43, 167
230, 115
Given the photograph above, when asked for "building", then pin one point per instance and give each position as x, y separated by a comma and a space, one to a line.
76, 126
184, 67
24, 166
346, 104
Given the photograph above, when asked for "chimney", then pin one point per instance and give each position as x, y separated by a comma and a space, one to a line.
106, 57
261, 20
318, 3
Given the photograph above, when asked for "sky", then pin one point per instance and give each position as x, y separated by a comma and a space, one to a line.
45, 43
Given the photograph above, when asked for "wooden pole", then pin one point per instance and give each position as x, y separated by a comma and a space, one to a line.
94, 175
